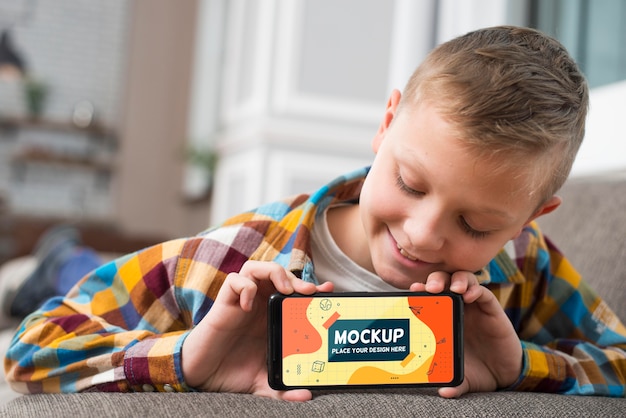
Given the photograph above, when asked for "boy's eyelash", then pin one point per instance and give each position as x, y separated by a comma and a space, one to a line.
471, 231
402, 185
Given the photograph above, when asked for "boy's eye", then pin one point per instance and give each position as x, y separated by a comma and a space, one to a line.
467, 228
403, 186
471, 231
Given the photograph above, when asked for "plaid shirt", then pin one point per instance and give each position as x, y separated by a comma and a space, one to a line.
122, 327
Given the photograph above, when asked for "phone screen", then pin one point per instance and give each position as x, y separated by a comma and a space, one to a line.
365, 339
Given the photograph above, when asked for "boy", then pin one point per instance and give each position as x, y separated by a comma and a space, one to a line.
466, 158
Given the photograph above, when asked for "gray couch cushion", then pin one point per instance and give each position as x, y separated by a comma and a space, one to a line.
414, 403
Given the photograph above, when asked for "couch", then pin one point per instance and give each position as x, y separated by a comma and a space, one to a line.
590, 228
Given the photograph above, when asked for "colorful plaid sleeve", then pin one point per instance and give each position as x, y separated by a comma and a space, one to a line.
572, 342
102, 335
122, 327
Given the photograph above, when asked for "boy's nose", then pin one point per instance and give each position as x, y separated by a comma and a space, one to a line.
425, 232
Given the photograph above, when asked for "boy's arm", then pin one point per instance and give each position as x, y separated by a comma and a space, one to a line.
121, 328
572, 341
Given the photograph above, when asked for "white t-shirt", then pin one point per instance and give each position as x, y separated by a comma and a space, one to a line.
332, 265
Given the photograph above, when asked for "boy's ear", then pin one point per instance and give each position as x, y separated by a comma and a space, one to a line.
549, 206
390, 112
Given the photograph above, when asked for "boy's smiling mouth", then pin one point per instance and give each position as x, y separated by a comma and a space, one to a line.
405, 253
414, 261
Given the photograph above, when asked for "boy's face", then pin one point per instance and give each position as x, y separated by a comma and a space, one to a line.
428, 205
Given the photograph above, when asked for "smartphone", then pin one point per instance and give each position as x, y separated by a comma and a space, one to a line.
330, 340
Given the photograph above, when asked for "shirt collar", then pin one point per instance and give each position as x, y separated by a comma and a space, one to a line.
344, 189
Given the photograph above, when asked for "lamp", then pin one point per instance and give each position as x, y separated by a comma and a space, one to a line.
12, 66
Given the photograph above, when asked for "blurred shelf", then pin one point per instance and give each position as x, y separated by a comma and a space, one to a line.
95, 129
43, 156
55, 168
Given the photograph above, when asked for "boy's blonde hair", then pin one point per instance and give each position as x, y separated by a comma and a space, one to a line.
512, 92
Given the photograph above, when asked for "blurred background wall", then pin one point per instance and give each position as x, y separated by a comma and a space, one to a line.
158, 118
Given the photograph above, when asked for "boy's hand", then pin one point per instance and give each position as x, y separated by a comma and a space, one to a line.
493, 352
226, 351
